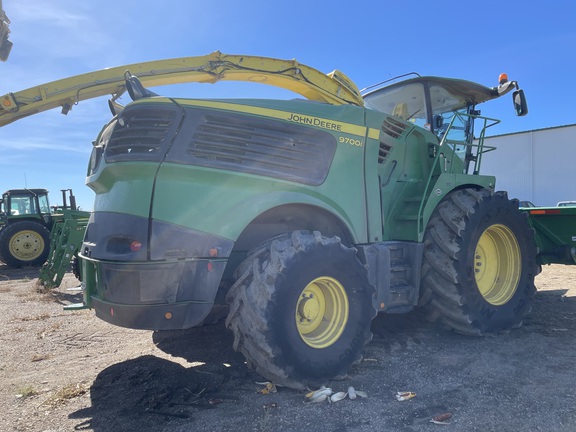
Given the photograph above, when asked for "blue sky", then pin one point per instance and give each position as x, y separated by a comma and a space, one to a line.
370, 41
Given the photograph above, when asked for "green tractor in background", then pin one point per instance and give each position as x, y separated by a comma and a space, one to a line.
26, 221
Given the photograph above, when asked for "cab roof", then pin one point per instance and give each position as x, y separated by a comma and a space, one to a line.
464, 93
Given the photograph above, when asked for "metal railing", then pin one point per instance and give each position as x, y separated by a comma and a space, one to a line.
446, 156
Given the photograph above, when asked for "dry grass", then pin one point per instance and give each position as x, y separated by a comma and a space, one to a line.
54, 327
28, 296
40, 317
63, 395
49, 330
26, 392
40, 357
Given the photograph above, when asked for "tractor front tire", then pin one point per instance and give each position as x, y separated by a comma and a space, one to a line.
479, 263
25, 243
301, 309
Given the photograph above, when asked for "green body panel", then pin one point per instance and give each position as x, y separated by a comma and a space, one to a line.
226, 204
417, 174
555, 233
372, 183
124, 188
403, 177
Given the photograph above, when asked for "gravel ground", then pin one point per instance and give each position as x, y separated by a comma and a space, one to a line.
66, 371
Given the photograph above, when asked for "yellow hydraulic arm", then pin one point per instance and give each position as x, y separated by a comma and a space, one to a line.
334, 88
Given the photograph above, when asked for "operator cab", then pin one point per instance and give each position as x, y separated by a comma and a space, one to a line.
444, 106
430, 101
19, 202
423, 98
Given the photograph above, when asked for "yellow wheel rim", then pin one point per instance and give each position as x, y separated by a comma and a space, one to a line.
322, 312
497, 264
26, 245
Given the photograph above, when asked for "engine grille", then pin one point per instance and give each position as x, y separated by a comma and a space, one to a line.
227, 141
258, 146
141, 134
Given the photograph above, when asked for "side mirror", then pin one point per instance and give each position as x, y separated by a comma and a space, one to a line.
438, 122
520, 104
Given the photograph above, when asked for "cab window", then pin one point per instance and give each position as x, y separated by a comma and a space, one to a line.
406, 102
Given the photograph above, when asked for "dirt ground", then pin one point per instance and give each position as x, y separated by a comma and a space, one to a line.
68, 371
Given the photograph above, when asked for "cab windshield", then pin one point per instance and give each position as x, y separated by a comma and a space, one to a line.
26, 204
409, 102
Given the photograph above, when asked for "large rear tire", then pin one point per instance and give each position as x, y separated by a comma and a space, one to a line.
479, 263
301, 309
25, 243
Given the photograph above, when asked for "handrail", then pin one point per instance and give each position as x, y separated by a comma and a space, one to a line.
449, 146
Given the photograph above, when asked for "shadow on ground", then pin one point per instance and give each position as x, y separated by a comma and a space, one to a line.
147, 392
9, 273
466, 376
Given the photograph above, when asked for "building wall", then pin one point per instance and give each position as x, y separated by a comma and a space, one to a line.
537, 165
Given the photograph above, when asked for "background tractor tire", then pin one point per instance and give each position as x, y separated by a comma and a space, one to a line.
76, 266
25, 243
479, 263
301, 309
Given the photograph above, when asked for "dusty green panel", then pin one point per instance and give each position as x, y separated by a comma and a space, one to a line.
403, 178
414, 178
372, 182
124, 187
224, 203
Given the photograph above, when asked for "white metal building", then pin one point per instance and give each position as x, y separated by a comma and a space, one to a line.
537, 165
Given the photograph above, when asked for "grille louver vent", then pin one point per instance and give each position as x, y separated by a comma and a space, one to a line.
261, 146
140, 134
394, 129
383, 152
